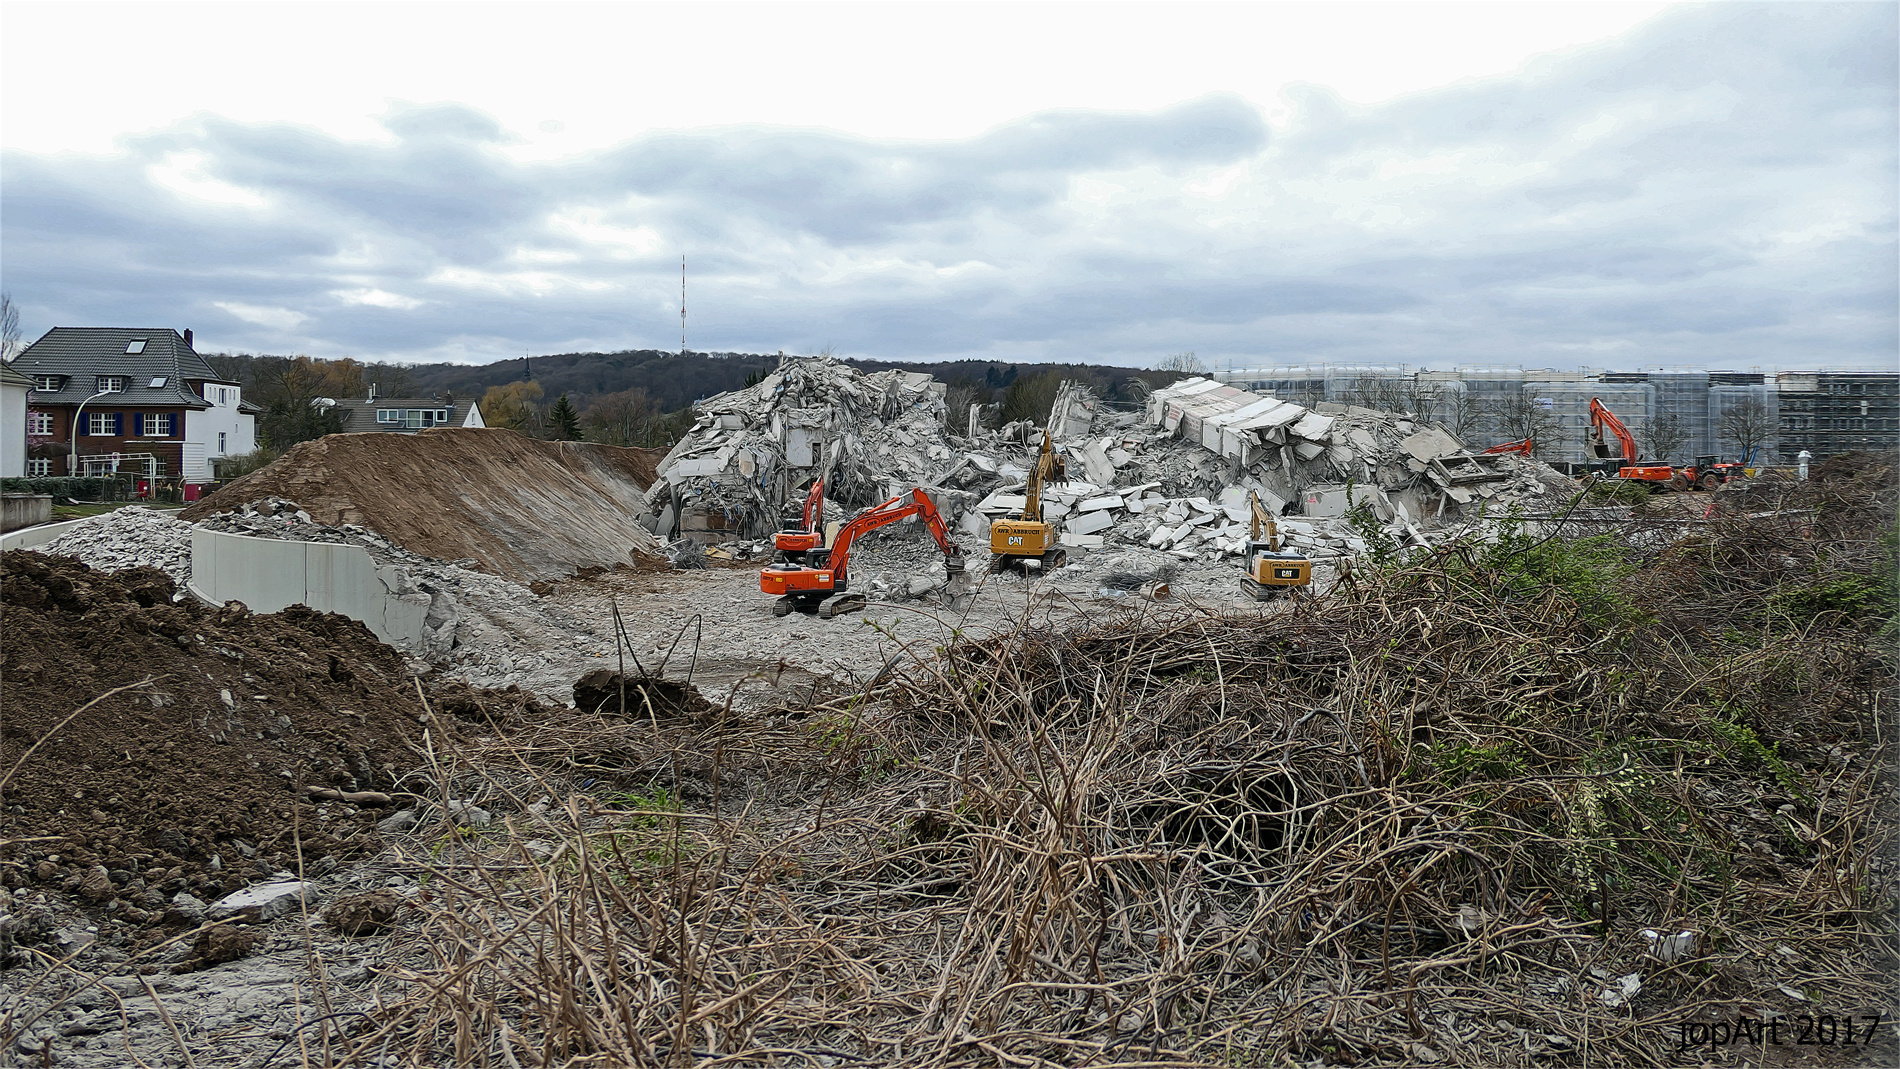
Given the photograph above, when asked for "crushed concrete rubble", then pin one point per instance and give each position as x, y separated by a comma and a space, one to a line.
753, 450
127, 538
1175, 477
489, 631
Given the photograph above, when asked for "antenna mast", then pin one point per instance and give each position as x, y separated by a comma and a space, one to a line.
682, 304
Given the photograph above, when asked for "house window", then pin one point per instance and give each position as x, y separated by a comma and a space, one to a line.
220, 443
39, 423
389, 415
136, 345
158, 425
105, 423
48, 383
110, 383
158, 382
38, 468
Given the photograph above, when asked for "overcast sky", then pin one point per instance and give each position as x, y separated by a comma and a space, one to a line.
1549, 185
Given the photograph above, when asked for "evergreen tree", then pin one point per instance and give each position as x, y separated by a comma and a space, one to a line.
564, 423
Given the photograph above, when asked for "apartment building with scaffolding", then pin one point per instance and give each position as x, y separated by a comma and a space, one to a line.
1675, 413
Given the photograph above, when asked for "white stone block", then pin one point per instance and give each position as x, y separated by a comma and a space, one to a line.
1091, 522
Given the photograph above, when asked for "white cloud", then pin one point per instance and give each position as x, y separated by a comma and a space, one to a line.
376, 298
183, 172
1717, 187
274, 318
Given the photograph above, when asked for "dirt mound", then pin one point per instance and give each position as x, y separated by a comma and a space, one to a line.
526, 509
190, 782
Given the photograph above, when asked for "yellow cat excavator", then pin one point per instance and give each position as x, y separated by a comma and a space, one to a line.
1029, 540
1271, 569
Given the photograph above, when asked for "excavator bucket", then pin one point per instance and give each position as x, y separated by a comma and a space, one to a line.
961, 583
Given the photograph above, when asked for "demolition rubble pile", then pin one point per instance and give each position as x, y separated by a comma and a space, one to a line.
754, 450
1176, 477
490, 631
130, 537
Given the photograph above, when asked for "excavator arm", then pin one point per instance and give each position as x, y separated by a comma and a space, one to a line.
819, 581
897, 508
1263, 524
1600, 418
1049, 468
1522, 448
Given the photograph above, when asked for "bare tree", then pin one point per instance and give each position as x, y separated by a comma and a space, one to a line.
1185, 362
625, 418
1748, 424
1667, 433
1456, 410
1521, 415
1386, 393
9, 328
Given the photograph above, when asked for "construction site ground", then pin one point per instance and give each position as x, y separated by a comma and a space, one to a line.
715, 625
1508, 790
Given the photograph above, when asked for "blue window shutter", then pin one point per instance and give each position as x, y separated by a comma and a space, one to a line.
81, 423
138, 424
118, 424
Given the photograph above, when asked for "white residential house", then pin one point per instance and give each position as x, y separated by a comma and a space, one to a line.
122, 399
14, 388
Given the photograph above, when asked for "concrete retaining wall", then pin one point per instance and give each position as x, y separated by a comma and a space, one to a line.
268, 574
35, 537
24, 510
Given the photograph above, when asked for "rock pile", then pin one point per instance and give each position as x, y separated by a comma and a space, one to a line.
1410, 470
130, 537
753, 451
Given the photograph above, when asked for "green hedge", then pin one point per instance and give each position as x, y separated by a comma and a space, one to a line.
107, 488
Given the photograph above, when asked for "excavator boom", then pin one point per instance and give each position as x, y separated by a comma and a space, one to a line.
1028, 539
1600, 418
820, 584
1522, 448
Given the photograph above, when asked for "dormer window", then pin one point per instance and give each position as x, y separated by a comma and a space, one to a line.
109, 384
48, 383
136, 345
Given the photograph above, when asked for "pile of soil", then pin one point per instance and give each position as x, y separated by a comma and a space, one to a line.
192, 781
525, 509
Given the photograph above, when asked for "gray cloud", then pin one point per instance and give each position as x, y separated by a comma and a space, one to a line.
1717, 186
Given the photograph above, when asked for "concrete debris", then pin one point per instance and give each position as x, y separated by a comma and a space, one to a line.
1408, 471
129, 538
279, 896
490, 631
752, 453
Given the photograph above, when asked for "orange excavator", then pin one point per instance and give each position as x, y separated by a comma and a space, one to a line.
1601, 419
1706, 472
793, 543
1523, 449
818, 582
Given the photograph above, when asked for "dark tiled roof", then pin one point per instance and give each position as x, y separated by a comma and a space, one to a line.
80, 353
361, 415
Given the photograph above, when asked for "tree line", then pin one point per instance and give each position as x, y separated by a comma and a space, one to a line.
631, 398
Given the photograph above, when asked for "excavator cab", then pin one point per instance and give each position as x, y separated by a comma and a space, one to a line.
805, 531
1272, 569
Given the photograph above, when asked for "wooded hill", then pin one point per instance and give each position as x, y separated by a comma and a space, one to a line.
675, 381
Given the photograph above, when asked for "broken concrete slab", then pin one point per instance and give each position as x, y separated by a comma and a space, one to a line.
1093, 504
279, 896
1090, 522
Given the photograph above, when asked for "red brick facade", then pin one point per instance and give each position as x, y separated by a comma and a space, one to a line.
133, 434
